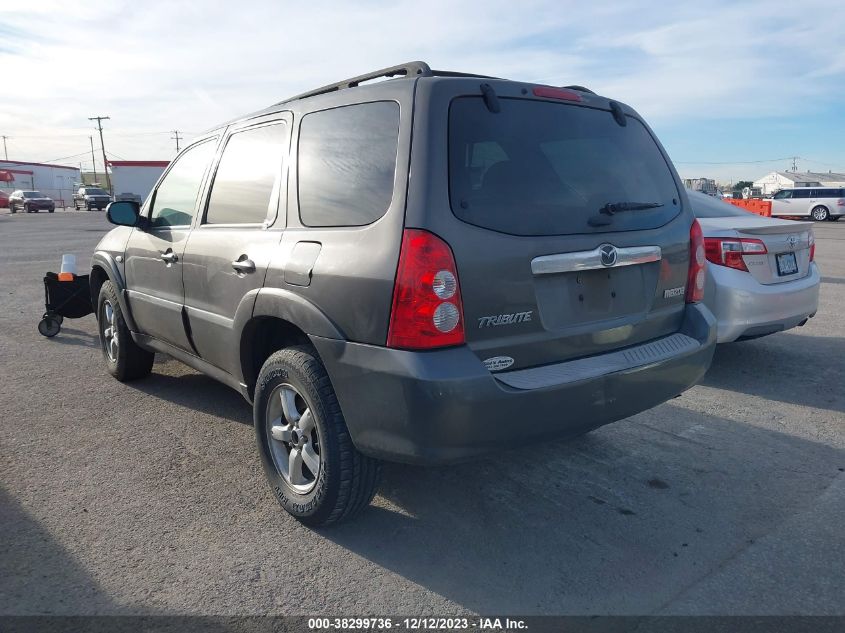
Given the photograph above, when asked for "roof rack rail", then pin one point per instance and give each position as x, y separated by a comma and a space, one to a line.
409, 69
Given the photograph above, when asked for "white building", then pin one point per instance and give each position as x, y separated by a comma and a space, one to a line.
55, 181
777, 180
135, 178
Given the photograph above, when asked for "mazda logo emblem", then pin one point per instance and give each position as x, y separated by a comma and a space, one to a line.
608, 255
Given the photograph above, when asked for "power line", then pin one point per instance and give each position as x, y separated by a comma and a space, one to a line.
99, 120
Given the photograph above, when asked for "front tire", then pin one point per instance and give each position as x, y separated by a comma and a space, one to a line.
820, 213
12, 209
124, 359
314, 470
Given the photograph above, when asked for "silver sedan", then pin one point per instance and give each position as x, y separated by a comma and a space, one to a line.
761, 277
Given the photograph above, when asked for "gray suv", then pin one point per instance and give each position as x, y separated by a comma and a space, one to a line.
424, 269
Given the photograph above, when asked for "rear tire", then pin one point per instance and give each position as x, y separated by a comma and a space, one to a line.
12, 209
124, 359
311, 423
820, 213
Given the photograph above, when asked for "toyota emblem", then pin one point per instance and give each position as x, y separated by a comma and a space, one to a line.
792, 240
608, 255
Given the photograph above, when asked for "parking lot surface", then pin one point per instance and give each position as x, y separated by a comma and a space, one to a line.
149, 497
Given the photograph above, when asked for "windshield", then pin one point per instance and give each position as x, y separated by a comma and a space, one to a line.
541, 168
33, 194
705, 206
95, 192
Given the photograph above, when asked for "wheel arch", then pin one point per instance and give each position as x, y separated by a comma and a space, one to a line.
279, 319
104, 268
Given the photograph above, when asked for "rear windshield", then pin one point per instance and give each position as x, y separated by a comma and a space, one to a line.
705, 206
541, 168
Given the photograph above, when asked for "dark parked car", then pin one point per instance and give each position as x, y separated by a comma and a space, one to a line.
91, 198
30, 201
528, 268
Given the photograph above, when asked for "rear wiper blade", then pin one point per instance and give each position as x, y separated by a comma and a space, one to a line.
612, 208
615, 207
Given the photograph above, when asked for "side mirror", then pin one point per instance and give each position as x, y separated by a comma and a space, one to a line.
123, 213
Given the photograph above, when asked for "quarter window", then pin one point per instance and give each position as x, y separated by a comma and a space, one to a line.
346, 164
246, 177
176, 196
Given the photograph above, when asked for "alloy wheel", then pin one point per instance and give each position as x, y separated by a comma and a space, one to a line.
109, 328
294, 438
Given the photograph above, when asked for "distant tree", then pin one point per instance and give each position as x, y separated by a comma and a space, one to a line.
740, 185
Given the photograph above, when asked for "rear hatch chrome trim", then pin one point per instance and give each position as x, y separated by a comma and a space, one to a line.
600, 257
594, 366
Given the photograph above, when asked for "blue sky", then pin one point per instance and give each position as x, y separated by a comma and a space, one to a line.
728, 83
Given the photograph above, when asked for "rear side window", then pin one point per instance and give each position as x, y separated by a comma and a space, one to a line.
541, 168
242, 192
346, 164
801, 193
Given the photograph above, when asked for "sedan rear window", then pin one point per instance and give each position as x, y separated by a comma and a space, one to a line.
542, 168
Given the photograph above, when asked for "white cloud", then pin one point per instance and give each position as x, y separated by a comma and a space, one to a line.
155, 66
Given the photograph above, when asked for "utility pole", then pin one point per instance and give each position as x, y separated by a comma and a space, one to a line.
176, 138
93, 162
794, 164
99, 120
4, 148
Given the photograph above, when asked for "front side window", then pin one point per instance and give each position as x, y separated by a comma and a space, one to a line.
176, 197
347, 163
246, 176
541, 168
784, 194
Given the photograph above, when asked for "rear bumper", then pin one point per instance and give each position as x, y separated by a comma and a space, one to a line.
745, 308
444, 406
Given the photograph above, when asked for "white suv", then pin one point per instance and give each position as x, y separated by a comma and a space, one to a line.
819, 203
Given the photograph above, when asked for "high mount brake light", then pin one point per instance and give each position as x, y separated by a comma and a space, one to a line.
729, 251
556, 93
697, 265
427, 310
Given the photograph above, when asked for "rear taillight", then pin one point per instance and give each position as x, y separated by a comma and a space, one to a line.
697, 264
728, 251
427, 310
840, 202
812, 246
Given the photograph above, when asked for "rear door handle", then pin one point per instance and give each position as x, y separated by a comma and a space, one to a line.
169, 256
244, 265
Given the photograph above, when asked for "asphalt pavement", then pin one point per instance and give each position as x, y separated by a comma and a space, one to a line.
149, 497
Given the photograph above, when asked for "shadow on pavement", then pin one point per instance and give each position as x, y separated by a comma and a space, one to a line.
195, 391
620, 521
37, 575
784, 367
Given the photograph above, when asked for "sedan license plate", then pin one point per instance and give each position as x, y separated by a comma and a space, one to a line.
787, 264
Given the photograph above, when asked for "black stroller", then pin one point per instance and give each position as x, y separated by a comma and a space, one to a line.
71, 299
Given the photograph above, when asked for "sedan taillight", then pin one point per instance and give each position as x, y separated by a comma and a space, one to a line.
697, 265
729, 251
